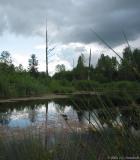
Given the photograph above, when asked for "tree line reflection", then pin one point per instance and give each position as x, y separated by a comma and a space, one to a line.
127, 117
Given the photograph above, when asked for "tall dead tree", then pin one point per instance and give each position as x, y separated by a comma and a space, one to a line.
89, 65
46, 50
73, 64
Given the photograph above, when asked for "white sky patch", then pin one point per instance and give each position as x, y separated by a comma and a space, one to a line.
55, 61
135, 43
40, 47
20, 59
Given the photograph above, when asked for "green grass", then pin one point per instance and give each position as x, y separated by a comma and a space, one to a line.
77, 146
90, 144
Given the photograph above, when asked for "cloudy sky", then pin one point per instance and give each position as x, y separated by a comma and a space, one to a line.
70, 28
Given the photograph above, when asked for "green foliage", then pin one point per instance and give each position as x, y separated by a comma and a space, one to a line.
60, 68
67, 75
33, 63
81, 61
86, 85
15, 81
129, 68
29, 148
5, 58
14, 84
61, 87
108, 68
80, 72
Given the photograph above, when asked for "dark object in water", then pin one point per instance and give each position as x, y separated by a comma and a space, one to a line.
64, 116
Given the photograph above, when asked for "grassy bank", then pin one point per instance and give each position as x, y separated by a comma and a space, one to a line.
89, 145
108, 75
23, 85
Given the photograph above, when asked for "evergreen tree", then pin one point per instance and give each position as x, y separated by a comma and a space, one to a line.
33, 63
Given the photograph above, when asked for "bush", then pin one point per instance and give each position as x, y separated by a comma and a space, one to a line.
60, 87
86, 85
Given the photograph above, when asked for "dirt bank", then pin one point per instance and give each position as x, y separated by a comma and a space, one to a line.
49, 96
46, 97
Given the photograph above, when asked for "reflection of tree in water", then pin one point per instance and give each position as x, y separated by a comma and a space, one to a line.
63, 102
5, 118
46, 106
60, 108
131, 118
107, 117
80, 115
32, 113
46, 139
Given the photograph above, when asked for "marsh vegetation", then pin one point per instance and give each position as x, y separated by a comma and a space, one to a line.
92, 129
101, 124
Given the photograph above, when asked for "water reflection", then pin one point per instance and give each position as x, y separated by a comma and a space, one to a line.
56, 114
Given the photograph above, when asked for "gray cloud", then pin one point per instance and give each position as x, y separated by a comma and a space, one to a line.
71, 21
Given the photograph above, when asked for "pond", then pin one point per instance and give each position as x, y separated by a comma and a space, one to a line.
62, 113
99, 127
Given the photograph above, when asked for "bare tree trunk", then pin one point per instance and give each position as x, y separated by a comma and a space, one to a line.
89, 65
46, 138
46, 50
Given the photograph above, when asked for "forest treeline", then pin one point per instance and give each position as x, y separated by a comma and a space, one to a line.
108, 74
107, 68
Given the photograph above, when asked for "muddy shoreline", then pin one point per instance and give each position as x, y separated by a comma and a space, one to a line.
48, 96
45, 97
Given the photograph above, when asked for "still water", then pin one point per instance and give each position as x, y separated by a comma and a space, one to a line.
82, 124
51, 112
68, 114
